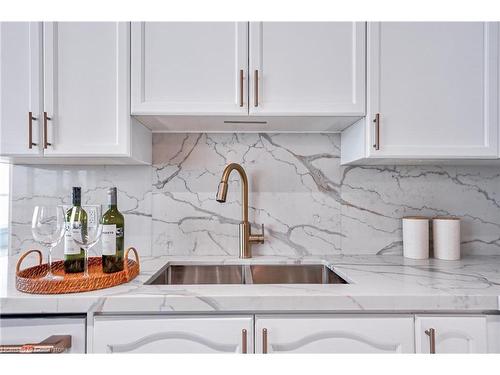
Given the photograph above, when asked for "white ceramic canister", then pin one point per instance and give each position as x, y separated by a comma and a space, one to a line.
446, 238
416, 237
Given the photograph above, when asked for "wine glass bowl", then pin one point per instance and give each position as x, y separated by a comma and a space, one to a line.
47, 228
88, 233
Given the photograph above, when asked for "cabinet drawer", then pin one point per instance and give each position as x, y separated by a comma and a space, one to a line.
20, 331
173, 334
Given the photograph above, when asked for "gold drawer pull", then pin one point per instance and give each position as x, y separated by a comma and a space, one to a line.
45, 130
30, 130
256, 88
264, 341
376, 143
241, 87
431, 332
244, 348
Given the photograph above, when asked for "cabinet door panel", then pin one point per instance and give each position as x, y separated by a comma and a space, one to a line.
189, 67
20, 87
335, 334
308, 68
86, 88
160, 334
435, 87
453, 334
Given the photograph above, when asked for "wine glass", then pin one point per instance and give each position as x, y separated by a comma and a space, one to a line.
86, 229
47, 227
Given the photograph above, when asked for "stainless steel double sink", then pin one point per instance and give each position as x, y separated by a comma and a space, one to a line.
193, 274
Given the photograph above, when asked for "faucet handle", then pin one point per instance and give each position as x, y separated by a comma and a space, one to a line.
257, 238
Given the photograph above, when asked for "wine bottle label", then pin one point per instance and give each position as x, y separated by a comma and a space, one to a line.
70, 246
108, 237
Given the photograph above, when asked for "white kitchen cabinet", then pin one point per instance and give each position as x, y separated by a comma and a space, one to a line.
197, 68
80, 100
434, 88
20, 88
334, 334
201, 77
21, 330
173, 334
451, 334
307, 68
86, 90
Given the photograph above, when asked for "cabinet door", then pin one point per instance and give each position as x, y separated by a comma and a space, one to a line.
20, 331
173, 334
435, 87
20, 87
187, 68
452, 334
307, 68
334, 334
86, 88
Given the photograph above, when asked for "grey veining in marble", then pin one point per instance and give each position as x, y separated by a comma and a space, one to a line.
307, 201
309, 204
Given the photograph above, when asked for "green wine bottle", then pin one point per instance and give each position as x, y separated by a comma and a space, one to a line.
74, 255
113, 236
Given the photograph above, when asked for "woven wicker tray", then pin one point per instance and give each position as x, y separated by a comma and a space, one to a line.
30, 280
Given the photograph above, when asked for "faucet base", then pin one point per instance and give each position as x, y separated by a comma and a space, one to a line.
245, 249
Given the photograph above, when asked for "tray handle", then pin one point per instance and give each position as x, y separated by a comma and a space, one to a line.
18, 265
126, 259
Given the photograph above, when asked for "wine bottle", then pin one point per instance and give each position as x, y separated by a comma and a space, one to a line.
113, 235
74, 255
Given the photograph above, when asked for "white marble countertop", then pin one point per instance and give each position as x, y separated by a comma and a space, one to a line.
378, 284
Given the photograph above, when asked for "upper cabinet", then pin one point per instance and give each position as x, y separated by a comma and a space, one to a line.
307, 68
197, 68
92, 92
432, 92
258, 76
20, 88
82, 115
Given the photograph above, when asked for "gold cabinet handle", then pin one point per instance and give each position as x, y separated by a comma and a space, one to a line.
376, 143
52, 344
264, 341
45, 130
431, 332
244, 343
30, 130
241, 87
256, 88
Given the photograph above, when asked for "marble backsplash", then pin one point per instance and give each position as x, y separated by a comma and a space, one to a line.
308, 203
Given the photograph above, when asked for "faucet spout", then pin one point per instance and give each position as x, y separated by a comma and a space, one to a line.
246, 236
223, 185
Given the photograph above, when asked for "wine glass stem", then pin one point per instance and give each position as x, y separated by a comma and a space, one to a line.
49, 272
86, 262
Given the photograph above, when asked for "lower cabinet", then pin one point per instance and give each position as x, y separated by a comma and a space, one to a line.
17, 332
261, 333
173, 334
296, 333
334, 334
451, 334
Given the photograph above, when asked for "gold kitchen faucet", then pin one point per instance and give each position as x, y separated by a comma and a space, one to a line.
246, 236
